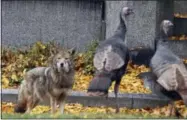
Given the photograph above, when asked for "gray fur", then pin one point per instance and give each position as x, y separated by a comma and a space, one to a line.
48, 83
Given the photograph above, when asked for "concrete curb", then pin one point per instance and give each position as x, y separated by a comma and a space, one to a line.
125, 100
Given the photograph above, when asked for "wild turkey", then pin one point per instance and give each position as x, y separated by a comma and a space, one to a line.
148, 53
168, 72
110, 60
142, 55
169, 69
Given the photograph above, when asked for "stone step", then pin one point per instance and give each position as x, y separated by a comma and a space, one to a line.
180, 26
125, 100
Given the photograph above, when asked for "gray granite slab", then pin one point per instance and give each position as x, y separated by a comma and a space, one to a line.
124, 100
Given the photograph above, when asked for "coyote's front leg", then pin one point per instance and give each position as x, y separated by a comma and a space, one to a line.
53, 105
61, 101
62, 104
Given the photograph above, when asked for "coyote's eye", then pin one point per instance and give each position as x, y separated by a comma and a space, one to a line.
58, 58
66, 58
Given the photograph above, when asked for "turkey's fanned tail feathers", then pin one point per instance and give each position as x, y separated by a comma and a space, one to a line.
111, 59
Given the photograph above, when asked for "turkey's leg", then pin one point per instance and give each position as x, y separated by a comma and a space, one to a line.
174, 110
106, 97
116, 88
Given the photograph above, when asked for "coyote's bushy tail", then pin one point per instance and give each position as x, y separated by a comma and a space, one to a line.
22, 101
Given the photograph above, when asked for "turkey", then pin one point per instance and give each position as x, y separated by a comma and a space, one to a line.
148, 53
169, 68
110, 60
138, 55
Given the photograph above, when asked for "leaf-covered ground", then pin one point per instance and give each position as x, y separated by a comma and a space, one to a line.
80, 116
16, 63
130, 83
77, 109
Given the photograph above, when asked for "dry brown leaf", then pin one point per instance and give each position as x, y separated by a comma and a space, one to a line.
178, 15
182, 37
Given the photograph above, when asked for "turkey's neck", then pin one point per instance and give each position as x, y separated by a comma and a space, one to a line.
161, 36
121, 30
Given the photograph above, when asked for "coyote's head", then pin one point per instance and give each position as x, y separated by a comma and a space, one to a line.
62, 61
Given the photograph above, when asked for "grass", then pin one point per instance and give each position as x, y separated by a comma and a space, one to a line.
78, 116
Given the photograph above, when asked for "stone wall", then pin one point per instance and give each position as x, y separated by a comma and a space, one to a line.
76, 23
180, 6
71, 23
142, 27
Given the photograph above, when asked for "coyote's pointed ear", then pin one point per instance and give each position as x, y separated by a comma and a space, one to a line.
72, 51
53, 52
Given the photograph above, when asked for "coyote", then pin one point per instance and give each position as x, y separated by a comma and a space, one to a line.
47, 83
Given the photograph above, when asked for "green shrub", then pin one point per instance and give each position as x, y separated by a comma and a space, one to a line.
88, 57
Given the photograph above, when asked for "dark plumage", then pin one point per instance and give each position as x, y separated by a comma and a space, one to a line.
141, 56
110, 60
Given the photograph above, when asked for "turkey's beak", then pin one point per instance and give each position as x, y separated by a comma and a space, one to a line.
171, 24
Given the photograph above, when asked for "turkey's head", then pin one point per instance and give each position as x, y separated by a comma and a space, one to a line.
167, 27
126, 11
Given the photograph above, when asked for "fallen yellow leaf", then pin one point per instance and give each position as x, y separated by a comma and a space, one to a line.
14, 77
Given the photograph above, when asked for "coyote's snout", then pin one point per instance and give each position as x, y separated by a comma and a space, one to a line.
47, 83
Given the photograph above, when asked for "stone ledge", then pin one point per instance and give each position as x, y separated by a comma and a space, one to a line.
180, 26
124, 100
